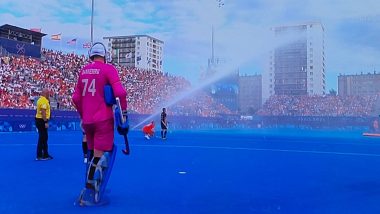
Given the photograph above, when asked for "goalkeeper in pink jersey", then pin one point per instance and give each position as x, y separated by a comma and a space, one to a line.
97, 117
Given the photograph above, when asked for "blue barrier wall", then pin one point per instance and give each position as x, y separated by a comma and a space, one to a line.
23, 120
317, 122
20, 48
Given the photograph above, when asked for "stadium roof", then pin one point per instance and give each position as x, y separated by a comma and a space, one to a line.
22, 30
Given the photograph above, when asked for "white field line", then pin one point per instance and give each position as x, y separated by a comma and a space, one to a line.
217, 147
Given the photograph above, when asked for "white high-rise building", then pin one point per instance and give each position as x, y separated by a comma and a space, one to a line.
296, 64
140, 51
359, 84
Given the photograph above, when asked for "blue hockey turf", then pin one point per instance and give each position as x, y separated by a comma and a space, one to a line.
260, 171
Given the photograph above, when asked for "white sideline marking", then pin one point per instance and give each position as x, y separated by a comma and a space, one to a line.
216, 147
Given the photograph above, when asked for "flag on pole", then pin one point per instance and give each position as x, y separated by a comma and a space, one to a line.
56, 36
72, 42
35, 30
87, 45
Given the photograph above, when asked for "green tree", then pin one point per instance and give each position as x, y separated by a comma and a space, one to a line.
332, 92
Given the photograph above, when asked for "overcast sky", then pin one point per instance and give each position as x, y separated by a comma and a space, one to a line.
352, 29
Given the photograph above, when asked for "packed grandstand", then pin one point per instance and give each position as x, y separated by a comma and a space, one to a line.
22, 77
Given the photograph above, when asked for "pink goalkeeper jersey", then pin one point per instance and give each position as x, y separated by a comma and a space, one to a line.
88, 96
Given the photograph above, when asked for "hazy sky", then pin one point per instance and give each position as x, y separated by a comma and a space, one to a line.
352, 28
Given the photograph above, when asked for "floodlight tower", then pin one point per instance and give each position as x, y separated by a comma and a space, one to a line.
92, 22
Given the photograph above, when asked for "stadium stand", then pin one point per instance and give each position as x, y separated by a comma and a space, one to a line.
21, 78
328, 105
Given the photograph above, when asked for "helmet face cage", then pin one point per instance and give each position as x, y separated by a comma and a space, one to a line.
99, 49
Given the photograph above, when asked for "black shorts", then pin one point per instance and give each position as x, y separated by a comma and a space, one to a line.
163, 126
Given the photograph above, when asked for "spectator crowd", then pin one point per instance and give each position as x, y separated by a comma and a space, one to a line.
21, 79
317, 105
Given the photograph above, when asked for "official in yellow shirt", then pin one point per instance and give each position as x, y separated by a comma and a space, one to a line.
42, 124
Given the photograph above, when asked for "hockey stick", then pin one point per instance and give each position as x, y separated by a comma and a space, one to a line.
123, 120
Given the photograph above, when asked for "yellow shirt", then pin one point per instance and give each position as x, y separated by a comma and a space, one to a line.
43, 103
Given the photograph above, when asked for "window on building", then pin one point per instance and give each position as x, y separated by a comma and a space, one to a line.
311, 67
